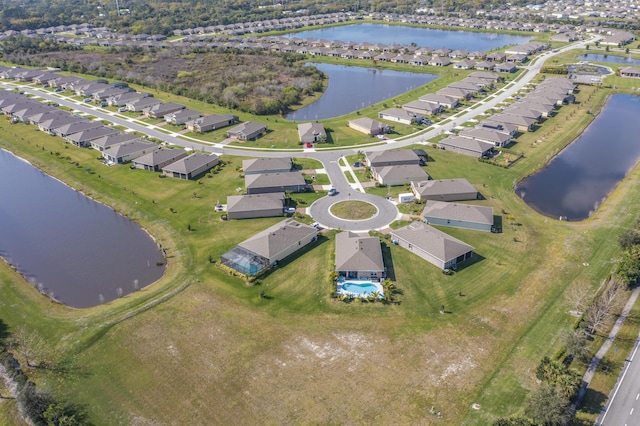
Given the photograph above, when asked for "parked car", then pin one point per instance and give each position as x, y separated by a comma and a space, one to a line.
290, 210
332, 191
122, 109
87, 100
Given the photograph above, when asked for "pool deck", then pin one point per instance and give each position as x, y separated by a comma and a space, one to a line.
341, 282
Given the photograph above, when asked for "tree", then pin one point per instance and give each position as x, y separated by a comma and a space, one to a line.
578, 295
628, 239
548, 406
28, 344
514, 421
628, 269
577, 345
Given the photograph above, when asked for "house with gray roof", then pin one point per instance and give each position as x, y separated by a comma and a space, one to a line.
122, 99
433, 245
255, 166
275, 182
53, 122
458, 93
440, 99
524, 124
78, 126
84, 138
359, 257
473, 147
423, 108
498, 139
156, 160
391, 157
269, 247
630, 72
255, 205
368, 126
247, 131
127, 151
398, 175
191, 166
107, 141
505, 67
39, 117
458, 215
162, 109
24, 114
140, 104
312, 132
400, 115
211, 122
182, 116
444, 190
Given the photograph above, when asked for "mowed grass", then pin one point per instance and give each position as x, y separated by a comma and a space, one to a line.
202, 347
353, 210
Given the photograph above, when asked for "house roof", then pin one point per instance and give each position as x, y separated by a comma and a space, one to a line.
487, 135
213, 119
443, 187
184, 113
109, 140
368, 123
265, 165
457, 211
426, 107
128, 148
160, 156
54, 122
78, 126
392, 156
160, 110
358, 253
277, 238
398, 113
473, 145
255, 202
91, 134
311, 129
438, 99
404, 171
190, 163
269, 180
248, 128
433, 241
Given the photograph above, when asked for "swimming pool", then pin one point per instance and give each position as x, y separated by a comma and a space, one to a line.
360, 289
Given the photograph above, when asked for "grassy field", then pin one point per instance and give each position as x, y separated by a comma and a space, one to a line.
202, 347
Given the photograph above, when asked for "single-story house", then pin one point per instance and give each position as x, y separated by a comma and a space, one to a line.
487, 135
485, 65
496, 57
71, 128
256, 166
157, 160
444, 190
438, 99
505, 67
630, 72
423, 108
182, 116
41, 117
275, 182
359, 257
269, 246
525, 124
517, 58
160, 110
398, 175
498, 126
439, 61
211, 122
466, 146
110, 140
311, 132
465, 64
53, 122
433, 245
125, 152
140, 104
522, 111
85, 137
247, 131
123, 98
457, 93
256, 205
490, 76
458, 215
368, 126
391, 157
400, 115
191, 166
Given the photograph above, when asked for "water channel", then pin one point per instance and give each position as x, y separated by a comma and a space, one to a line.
574, 184
353, 88
76, 250
405, 36
608, 58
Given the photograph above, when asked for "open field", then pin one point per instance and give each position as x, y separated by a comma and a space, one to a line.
201, 347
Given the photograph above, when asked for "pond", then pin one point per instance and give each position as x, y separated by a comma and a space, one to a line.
574, 184
76, 250
423, 37
353, 88
608, 58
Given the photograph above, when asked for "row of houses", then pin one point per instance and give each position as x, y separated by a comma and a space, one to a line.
116, 147
523, 115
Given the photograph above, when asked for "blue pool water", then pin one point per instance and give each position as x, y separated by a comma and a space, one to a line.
360, 288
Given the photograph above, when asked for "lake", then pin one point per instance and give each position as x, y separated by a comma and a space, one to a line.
576, 181
76, 250
423, 37
608, 58
353, 88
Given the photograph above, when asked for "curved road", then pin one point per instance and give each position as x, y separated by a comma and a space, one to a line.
387, 212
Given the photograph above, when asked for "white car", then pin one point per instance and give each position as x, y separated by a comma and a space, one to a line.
332, 192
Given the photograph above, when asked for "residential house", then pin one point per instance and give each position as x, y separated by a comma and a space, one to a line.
275, 182
156, 160
191, 166
256, 205
53, 122
457, 93
440, 99
162, 109
140, 104
368, 126
505, 67
77, 126
423, 108
498, 139
127, 151
400, 115
466, 146
211, 122
120, 100
311, 132
247, 131
465, 64
359, 257
439, 61
392, 157
630, 72
85, 137
458, 215
180, 117
111, 140
433, 245
524, 124
398, 175
444, 190
269, 247
256, 166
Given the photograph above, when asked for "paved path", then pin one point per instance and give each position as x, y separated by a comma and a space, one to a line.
623, 407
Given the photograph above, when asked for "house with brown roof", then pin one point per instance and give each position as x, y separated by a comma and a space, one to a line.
433, 245
359, 257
